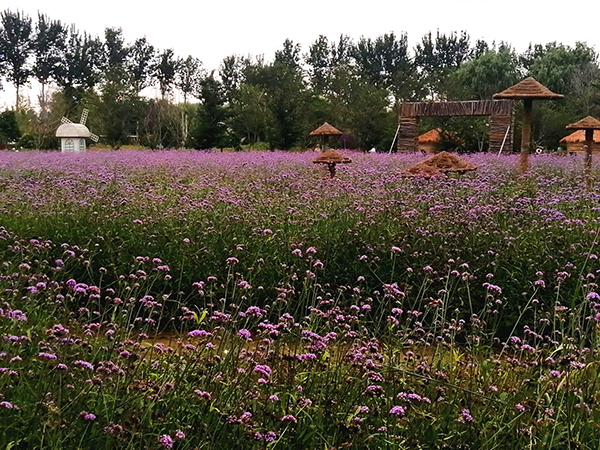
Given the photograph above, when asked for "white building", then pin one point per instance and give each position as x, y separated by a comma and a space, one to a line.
72, 137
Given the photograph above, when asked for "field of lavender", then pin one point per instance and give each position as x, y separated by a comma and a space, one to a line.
195, 300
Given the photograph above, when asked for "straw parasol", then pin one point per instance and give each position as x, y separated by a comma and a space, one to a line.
589, 124
527, 90
325, 131
331, 158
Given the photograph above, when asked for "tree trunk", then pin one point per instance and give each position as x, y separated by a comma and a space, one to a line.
589, 143
526, 137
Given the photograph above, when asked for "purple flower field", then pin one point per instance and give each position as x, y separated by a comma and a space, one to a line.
194, 300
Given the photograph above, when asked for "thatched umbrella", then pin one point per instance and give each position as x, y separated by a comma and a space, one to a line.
331, 158
527, 90
589, 124
325, 131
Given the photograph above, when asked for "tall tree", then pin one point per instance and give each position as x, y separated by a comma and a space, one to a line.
437, 58
116, 52
166, 70
79, 69
554, 64
212, 114
386, 63
481, 78
231, 72
319, 62
48, 47
16, 44
141, 64
188, 76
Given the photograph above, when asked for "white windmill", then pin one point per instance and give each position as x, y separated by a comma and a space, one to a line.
73, 135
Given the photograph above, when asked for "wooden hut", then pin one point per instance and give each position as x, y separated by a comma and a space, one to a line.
574, 141
430, 142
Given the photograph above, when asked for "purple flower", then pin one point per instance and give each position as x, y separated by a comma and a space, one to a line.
87, 416
203, 394
166, 441
397, 411
84, 365
289, 418
465, 416
263, 370
245, 334
179, 435
199, 333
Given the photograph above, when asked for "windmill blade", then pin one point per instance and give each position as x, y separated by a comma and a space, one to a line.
84, 116
65, 120
93, 137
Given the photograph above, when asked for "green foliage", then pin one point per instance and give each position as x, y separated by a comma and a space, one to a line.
26, 141
490, 73
9, 127
211, 115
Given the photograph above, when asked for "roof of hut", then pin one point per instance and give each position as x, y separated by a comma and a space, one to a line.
332, 156
72, 130
589, 123
529, 88
326, 130
446, 162
436, 136
431, 137
578, 137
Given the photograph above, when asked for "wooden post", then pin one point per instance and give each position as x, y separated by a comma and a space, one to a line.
589, 143
526, 137
331, 167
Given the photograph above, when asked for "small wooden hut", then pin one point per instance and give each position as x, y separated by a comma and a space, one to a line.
574, 142
430, 142
588, 125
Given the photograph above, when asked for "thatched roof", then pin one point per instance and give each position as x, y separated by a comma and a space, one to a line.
437, 135
326, 130
529, 88
446, 162
332, 156
589, 123
431, 137
419, 172
578, 137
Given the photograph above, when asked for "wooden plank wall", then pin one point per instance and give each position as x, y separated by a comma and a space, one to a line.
407, 137
500, 112
467, 108
498, 127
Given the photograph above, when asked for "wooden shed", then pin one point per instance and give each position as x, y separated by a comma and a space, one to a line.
574, 141
430, 142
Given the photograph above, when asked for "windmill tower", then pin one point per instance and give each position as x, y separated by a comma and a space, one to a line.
73, 135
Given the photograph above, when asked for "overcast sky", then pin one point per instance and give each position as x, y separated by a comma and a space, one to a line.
211, 30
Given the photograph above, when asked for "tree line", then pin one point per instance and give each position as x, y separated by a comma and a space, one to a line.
251, 102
